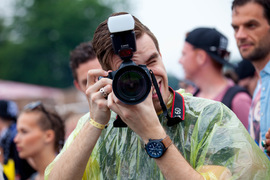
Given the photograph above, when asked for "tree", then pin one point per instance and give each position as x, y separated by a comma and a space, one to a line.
37, 45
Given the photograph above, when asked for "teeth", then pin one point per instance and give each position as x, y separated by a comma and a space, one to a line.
154, 91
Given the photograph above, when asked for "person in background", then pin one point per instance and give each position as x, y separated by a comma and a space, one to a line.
40, 136
251, 24
13, 166
82, 59
203, 56
195, 138
247, 76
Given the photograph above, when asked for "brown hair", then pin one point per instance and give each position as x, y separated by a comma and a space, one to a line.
264, 3
84, 52
102, 41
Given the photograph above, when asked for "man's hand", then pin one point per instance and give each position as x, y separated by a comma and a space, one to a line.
141, 118
267, 142
99, 111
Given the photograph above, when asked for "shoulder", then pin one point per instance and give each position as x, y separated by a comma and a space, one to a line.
242, 96
241, 100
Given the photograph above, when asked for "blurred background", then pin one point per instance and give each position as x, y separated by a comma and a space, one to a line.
36, 38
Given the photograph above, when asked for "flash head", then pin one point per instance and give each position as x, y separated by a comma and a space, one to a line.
121, 23
123, 38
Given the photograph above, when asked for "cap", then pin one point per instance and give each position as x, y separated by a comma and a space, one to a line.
8, 109
244, 69
212, 41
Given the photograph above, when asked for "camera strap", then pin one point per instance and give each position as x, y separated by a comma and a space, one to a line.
178, 107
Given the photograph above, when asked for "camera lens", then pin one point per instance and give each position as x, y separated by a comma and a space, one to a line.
131, 84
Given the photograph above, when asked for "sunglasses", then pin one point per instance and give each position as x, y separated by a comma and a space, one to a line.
37, 105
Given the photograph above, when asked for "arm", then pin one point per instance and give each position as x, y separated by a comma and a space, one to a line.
173, 165
71, 164
143, 120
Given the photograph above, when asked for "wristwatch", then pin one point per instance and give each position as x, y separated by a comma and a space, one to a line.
155, 148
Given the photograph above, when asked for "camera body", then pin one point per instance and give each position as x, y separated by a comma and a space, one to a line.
131, 83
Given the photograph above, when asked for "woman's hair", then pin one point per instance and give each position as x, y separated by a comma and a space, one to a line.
49, 120
102, 42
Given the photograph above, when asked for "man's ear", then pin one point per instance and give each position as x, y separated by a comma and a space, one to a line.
49, 136
201, 56
76, 84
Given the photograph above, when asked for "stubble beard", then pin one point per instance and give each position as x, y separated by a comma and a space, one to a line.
258, 54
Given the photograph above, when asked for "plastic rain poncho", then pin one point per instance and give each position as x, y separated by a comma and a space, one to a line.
211, 134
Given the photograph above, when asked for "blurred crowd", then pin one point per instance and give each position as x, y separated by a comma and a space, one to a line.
33, 133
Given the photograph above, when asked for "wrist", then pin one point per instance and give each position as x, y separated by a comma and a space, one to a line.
158, 133
97, 124
155, 148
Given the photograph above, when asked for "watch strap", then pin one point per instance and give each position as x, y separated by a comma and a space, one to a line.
167, 141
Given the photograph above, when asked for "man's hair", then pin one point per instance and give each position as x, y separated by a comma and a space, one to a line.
102, 42
264, 3
84, 52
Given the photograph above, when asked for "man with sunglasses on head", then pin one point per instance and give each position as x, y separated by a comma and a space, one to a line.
169, 134
204, 56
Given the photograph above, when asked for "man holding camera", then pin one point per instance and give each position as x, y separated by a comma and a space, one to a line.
197, 139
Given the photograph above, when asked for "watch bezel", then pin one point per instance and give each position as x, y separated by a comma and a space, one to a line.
150, 152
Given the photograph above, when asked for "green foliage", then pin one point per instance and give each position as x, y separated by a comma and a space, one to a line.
35, 47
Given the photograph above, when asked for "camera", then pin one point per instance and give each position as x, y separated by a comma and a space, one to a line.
131, 83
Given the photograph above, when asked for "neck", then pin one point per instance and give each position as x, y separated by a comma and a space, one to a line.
211, 85
41, 161
260, 64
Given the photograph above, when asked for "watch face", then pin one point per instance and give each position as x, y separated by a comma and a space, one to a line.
155, 149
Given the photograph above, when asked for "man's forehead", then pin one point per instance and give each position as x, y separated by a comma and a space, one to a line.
248, 9
145, 47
